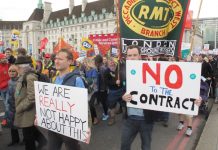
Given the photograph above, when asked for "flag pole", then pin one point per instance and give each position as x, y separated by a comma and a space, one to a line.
117, 4
193, 35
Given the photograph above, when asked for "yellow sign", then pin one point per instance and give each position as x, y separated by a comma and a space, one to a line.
86, 44
15, 37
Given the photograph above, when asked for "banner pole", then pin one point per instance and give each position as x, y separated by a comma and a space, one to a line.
196, 24
118, 36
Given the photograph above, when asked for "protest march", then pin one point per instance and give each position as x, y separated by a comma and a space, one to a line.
65, 72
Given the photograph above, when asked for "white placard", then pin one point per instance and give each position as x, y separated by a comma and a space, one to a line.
206, 47
164, 86
62, 109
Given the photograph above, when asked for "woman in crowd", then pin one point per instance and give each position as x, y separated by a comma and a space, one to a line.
9, 114
91, 75
25, 104
115, 88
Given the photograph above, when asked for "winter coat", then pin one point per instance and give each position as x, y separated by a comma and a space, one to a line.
102, 86
110, 79
10, 94
11, 59
206, 70
10, 112
4, 77
25, 102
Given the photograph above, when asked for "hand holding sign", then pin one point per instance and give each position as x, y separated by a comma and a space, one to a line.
118, 82
36, 121
62, 109
198, 101
127, 97
163, 86
87, 140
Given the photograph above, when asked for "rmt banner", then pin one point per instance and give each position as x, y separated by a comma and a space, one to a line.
155, 25
62, 109
164, 86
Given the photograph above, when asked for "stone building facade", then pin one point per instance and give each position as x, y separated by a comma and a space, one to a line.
72, 24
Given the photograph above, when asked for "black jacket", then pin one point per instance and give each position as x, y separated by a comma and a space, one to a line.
11, 59
206, 70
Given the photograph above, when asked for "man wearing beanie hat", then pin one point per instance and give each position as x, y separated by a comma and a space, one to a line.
23, 52
25, 104
4, 77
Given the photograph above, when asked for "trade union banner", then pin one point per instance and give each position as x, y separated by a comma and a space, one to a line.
164, 86
62, 109
104, 43
155, 25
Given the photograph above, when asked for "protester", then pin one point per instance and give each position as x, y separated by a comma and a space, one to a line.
4, 78
39, 65
213, 63
207, 71
62, 62
48, 66
105, 61
25, 104
79, 66
184, 117
91, 75
102, 87
23, 52
10, 113
138, 120
10, 57
115, 88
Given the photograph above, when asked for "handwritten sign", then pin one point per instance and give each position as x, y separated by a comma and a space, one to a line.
62, 109
164, 86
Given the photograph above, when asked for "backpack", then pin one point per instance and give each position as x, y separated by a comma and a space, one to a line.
41, 78
88, 84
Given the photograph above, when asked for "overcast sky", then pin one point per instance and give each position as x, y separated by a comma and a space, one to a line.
17, 10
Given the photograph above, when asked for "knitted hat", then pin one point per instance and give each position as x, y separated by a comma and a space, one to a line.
2, 56
23, 60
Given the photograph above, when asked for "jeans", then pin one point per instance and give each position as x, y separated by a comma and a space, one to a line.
4, 95
92, 105
163, 116
32, 134
131, 128
102, 97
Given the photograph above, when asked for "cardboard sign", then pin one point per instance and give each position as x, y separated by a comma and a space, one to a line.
62, 109
164, 86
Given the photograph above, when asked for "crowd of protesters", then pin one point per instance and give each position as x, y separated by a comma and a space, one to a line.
106, 81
